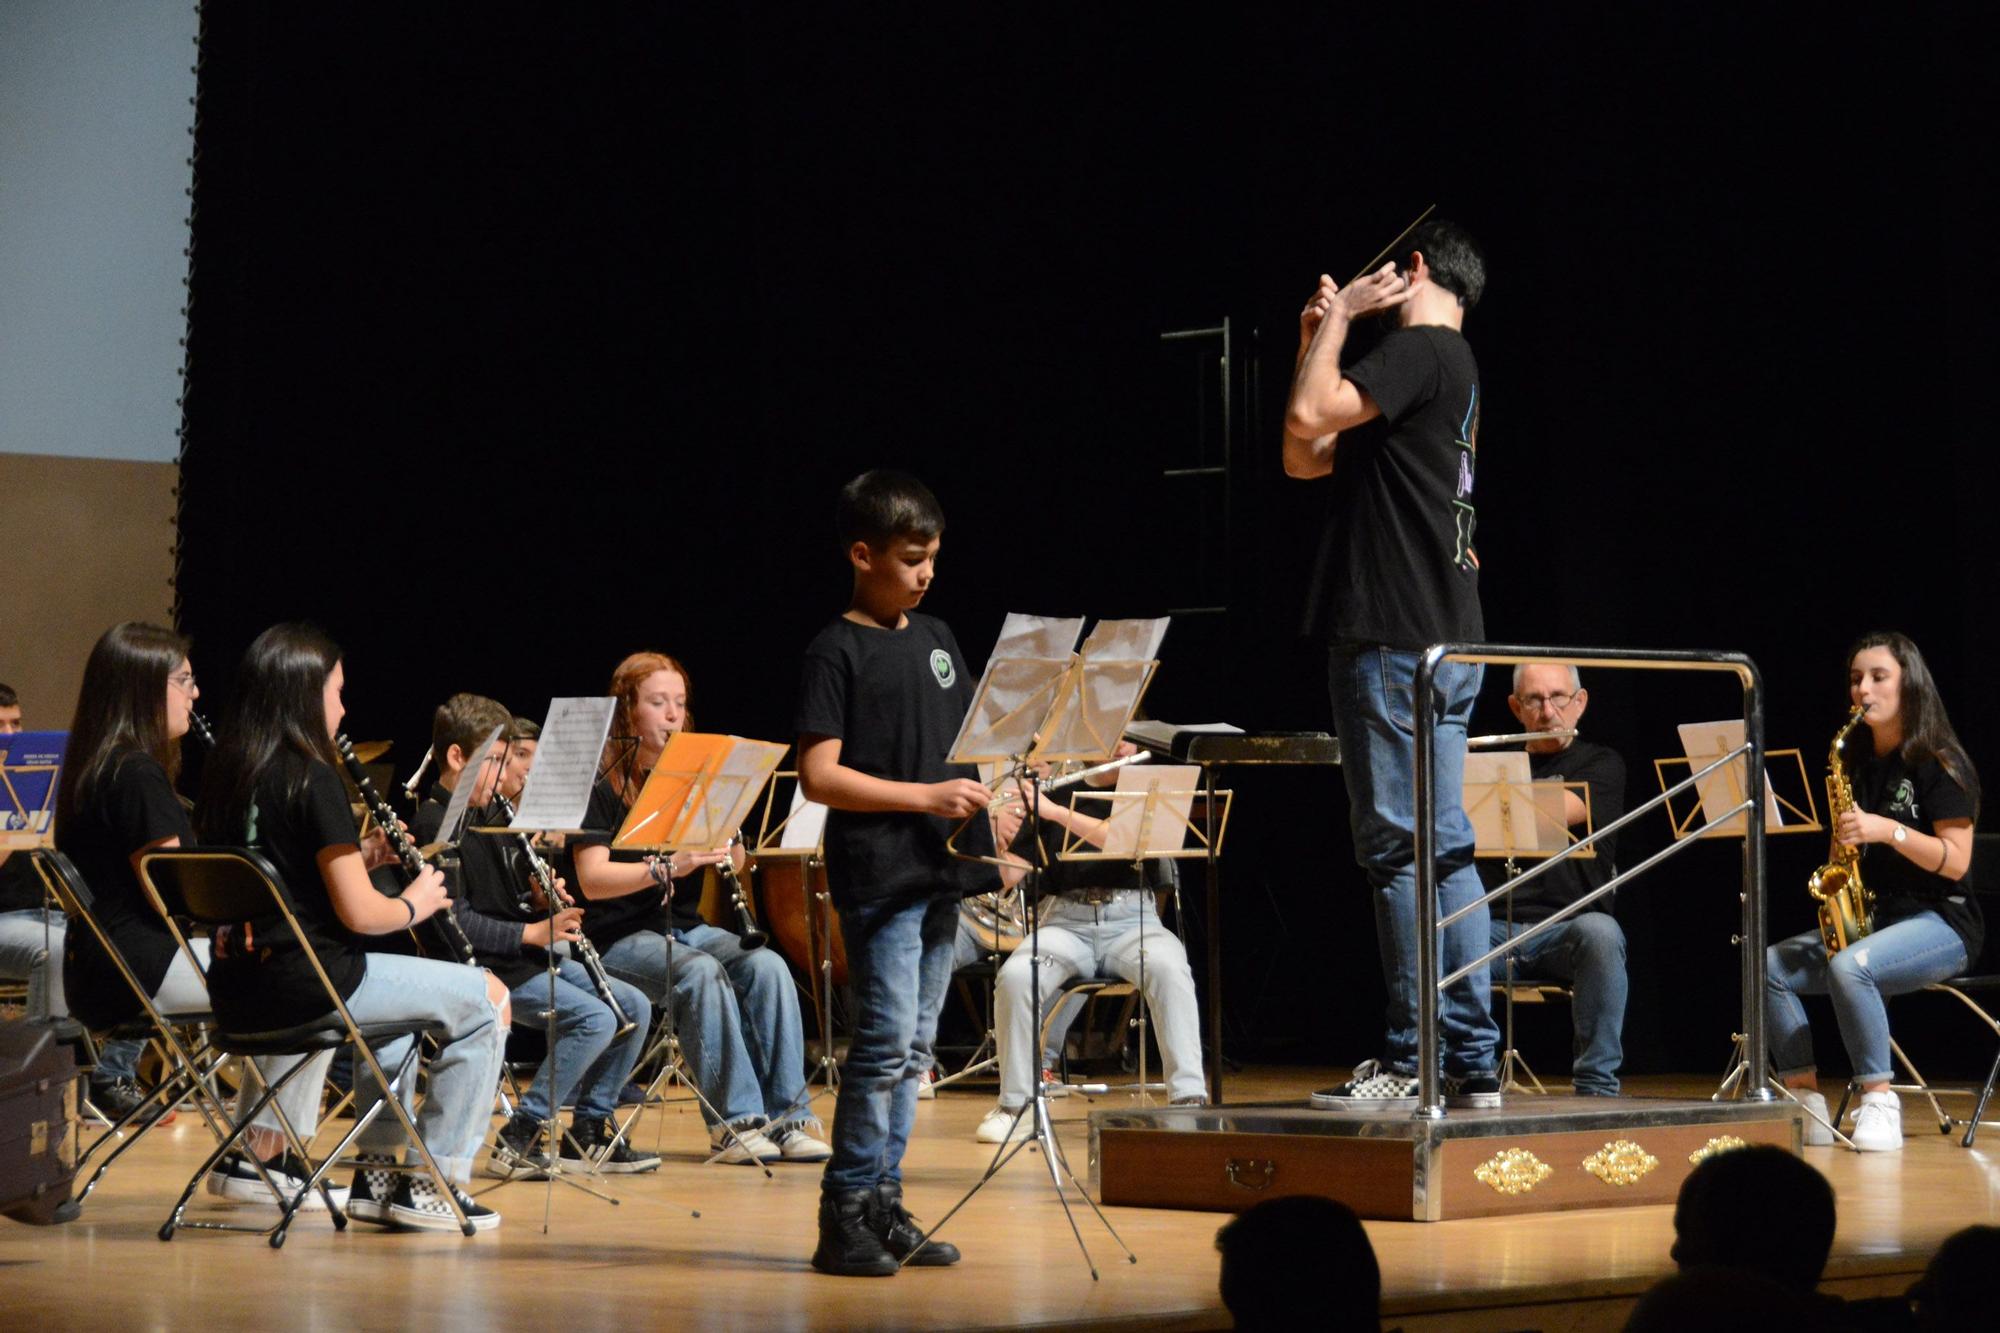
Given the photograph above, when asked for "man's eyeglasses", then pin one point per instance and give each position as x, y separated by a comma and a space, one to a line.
1534, 703
184, 679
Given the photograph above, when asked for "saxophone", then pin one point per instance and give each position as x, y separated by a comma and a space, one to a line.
1846, 907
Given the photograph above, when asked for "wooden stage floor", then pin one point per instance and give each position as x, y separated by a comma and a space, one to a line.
743, 1263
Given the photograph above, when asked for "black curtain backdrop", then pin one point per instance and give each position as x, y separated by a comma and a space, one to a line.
525, 338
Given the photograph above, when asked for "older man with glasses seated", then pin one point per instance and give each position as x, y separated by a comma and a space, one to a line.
1588, 949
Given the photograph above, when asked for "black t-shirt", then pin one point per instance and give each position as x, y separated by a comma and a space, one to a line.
1561, 885
609, 920
488, 883
895, 700
1060, 876
262, 982
131, 805
1919, 798
20, 886
1396, 561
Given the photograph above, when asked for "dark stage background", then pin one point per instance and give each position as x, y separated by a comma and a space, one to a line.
526, 338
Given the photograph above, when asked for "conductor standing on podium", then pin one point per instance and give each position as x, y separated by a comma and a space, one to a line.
1396, 573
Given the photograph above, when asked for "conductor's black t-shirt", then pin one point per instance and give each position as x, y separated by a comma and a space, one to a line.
894, 699
1396, 561
265, 982
1918, 797
131, 805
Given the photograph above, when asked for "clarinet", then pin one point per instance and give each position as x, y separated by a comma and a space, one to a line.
586, 952
199, 726
412, 859
746, 924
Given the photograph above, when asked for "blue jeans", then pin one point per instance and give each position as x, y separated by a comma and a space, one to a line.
1588, 951
1894, 960
737, 1015
1371, 690
31, 950
899, 965
584, 1058
463, 1074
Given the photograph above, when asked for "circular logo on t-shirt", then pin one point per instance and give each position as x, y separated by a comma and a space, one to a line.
941, 667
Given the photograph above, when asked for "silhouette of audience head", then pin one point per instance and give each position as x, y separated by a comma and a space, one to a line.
1300, 1262
1957, 1289
1714, 1298
1757, 1208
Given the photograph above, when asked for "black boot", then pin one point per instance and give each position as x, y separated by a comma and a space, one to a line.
848, 1244
901, 1235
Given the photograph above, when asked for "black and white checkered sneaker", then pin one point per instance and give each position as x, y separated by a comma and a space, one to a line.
1373, 1087
372, 1189
420, 1206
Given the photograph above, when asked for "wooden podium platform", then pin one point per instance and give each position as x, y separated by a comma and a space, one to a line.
1535, 1155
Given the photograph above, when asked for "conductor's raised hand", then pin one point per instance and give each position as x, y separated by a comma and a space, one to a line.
955, 798
1376, 292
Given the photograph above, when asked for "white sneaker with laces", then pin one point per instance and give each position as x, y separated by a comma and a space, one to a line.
796, 1142
1878, 1125
746, 1147
1817, 1134
1004, 1125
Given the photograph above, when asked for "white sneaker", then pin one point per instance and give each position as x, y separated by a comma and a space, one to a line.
1002, 1125
234, 1178
796, 1142
745, 1147
1878, 1125
927, 1090
1817, 1133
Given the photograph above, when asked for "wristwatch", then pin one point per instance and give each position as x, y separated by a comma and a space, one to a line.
1901, 833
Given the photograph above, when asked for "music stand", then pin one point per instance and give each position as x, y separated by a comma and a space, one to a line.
30, 762
700, 790
801, 834
1720, 796
1513, 816
1033, 706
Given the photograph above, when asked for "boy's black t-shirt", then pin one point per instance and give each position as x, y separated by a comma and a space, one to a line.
264, 982
609, 920
1918, 797
1396, 561
132, 805
894, 698
482, 880
1563, 884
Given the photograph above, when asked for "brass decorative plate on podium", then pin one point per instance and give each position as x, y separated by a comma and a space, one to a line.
1537, 1154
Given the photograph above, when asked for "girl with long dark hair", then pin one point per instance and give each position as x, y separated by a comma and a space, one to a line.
272, 785
1916, 798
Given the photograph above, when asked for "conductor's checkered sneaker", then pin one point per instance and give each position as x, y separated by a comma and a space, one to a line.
1373, 1087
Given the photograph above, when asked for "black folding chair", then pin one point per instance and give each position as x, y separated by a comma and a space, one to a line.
191, 1058
222, 886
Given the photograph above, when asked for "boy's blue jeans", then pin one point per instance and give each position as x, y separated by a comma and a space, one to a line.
899, 956
1370, 687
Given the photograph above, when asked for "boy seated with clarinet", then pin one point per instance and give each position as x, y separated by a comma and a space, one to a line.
515, 910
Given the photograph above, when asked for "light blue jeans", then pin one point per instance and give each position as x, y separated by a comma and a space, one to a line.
899, 965
584, 1058
1894, 960
31, 950
1078, 939
1588, 951
1062, 1012
737, 1014
1371, 690
463, 1075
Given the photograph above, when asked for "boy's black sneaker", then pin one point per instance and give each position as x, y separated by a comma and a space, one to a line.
1478, 1092
594, 1136
900, 1234
514, 1155
420, 1206
848, 1243
373, 1188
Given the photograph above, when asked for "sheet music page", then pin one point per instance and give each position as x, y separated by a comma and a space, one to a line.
1167, 832
1500, 804
1706, 742
557, 793
1013, 699
1023, 635
805, 829
734, 792
31, 761
1107, 693
659, 815
1126, 640
453, 827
